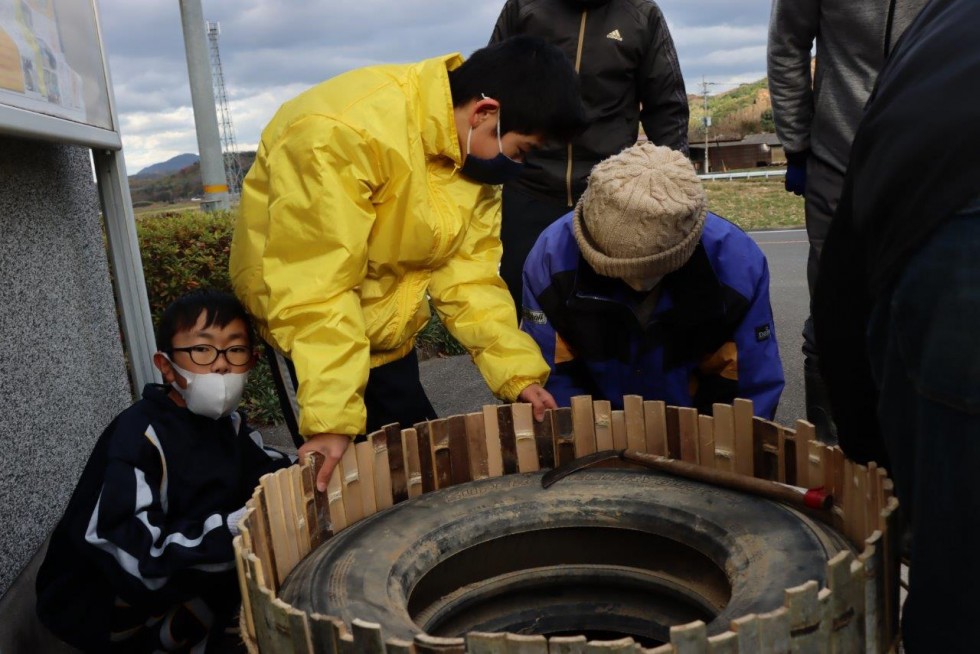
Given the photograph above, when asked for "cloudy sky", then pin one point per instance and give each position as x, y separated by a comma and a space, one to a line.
272, 50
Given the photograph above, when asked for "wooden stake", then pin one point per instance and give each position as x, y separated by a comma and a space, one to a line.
635, 437
724, 437
508, 438
413, 462
525, 445
744, 450
655, 423
365, 467
706, 441
495, 463
564, 434
382, 469
687, 425
603, 425
459, 450
476, 444
396, 463
583, 422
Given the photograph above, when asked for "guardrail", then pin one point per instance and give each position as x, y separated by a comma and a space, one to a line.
767, 173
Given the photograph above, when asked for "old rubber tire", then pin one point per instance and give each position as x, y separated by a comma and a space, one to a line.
633, 545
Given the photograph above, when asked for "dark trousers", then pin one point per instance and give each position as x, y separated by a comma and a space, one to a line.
523, 217
925, 357
394, 394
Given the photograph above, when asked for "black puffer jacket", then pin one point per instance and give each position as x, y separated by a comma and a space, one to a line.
626, 59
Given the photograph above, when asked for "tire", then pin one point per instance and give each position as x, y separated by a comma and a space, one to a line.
608, 553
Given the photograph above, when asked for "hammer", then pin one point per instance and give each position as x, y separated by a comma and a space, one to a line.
800, 498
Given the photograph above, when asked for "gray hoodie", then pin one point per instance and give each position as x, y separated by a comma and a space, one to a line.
819, 115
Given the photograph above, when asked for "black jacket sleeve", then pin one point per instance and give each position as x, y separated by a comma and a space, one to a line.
664, 113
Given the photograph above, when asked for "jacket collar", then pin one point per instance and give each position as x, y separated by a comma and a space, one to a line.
691, 295
437, 122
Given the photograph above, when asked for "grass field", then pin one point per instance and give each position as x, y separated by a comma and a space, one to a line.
755, 203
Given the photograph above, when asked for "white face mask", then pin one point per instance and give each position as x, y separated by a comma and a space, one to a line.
211, 394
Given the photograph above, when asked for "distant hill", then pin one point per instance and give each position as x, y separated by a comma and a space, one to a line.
746, 109
178, 185
169, 166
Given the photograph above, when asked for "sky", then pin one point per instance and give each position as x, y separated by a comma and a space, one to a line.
272, 50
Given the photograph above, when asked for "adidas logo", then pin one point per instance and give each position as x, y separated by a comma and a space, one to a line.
614, 35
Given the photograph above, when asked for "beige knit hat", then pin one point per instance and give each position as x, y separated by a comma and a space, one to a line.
642, 213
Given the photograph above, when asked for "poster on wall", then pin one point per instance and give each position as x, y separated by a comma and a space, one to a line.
52, 62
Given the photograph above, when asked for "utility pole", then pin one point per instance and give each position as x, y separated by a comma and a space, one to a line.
205, 114
706, 121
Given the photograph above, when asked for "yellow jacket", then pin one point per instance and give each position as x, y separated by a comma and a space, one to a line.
353, 210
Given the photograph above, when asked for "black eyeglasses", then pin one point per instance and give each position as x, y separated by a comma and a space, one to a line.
205, 355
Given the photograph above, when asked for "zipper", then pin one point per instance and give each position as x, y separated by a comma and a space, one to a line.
578, 65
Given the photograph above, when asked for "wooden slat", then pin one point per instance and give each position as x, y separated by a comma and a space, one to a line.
397, 646
687, 425
583, 422
724, 437
303, 533
690, 638
281, 529
655, 426
790, 457
425, 644
774, 631
442, 465
483, 643
350, 480
706, 441
816, 465
299, 628
804, 434
564, 434
860, 523
367, 637
335, 502
673, 433
621, 646
663, 649
765, 450
837, 475
521, 644
495, 457
413, 462
524, 442
744, 451
396, 463
239, 543
545, 440
869, 569
566, 645
423, 431
459, 450
845, 629
617, 423
746, 628
383, 495
326, 632
633, 409
272, 629
317, 512
602, 410
726, 643
508, 438
365, 471
476, 446
261, 543
808, 632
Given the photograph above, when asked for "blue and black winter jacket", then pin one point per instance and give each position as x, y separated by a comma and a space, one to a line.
710, 338
142, 559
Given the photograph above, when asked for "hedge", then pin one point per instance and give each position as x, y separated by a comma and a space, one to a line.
186, 250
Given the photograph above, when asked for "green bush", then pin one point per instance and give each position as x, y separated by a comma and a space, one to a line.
186, 250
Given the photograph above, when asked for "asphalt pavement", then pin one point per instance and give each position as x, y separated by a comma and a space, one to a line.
455, 386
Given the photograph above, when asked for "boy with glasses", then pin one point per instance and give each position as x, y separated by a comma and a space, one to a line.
142, 558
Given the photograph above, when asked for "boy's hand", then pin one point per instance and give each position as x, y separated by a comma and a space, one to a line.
539, 399
332, 447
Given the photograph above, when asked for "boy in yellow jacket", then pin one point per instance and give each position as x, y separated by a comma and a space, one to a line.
375, 189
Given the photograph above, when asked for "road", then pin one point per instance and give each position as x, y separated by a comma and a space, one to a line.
455, 386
